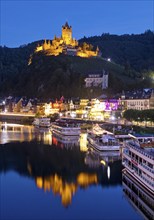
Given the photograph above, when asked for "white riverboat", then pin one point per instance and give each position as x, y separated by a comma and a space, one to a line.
104, 141
97, 130
42, 122
66, 127
138, 160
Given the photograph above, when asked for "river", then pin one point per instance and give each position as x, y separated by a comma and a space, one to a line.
44, 176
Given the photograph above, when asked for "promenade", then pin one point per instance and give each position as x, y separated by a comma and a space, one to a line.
10, 116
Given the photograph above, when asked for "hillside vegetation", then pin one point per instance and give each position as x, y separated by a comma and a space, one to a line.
50, 76
134, 51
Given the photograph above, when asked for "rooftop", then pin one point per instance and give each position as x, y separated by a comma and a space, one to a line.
138, 94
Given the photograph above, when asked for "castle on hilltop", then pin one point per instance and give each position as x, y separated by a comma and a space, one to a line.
66, 44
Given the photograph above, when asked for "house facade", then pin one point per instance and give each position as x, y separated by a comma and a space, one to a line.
97, 80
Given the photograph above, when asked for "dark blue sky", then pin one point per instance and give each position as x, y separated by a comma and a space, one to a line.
23, 22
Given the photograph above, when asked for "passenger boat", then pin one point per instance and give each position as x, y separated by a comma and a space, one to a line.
42, 122
96, 129
66, 127
105, 141
138, 160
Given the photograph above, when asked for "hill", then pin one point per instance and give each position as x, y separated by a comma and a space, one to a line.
50, 76
132, 51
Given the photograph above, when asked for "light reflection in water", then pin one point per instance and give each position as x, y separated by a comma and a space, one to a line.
20, 133
108, 172
65, 141
65, 189
83, 142
55, 182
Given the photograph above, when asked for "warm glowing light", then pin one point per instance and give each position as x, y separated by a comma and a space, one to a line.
39, 182
103, 162
66, 44
84, 179
49, 110
64, 189
83, 142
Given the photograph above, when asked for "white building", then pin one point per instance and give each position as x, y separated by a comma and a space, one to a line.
138, 104
97, 80
138, 100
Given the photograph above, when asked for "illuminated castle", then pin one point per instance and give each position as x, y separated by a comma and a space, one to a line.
67, 45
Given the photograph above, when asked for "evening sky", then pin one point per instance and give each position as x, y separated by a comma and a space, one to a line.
23, 22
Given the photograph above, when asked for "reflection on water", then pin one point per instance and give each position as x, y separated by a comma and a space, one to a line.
60, 164
65, 141
16, 132
83, 142
58, 167
139, 197
95, 159
64, 188
108, 172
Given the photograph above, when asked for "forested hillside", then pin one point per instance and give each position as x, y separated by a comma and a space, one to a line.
132, 51
131, 66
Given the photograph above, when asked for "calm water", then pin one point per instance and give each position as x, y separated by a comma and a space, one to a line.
43, 176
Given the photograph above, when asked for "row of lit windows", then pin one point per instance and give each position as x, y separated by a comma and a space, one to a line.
96, 80
137, 108
137, 103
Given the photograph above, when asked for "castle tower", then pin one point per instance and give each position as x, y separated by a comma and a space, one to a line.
67, 34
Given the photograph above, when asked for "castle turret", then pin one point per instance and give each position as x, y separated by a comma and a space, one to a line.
46, 45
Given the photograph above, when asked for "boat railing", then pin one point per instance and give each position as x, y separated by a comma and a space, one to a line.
126, 152
66, 125
107, 143
146, 167
146, 180
137, 148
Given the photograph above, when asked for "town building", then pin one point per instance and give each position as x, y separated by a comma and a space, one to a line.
138, 100
97, 80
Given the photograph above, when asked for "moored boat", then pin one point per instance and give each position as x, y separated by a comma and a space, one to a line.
65, 127
105, 141
138, 161
42, 122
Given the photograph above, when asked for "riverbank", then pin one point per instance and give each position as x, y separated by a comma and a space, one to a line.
22, 118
